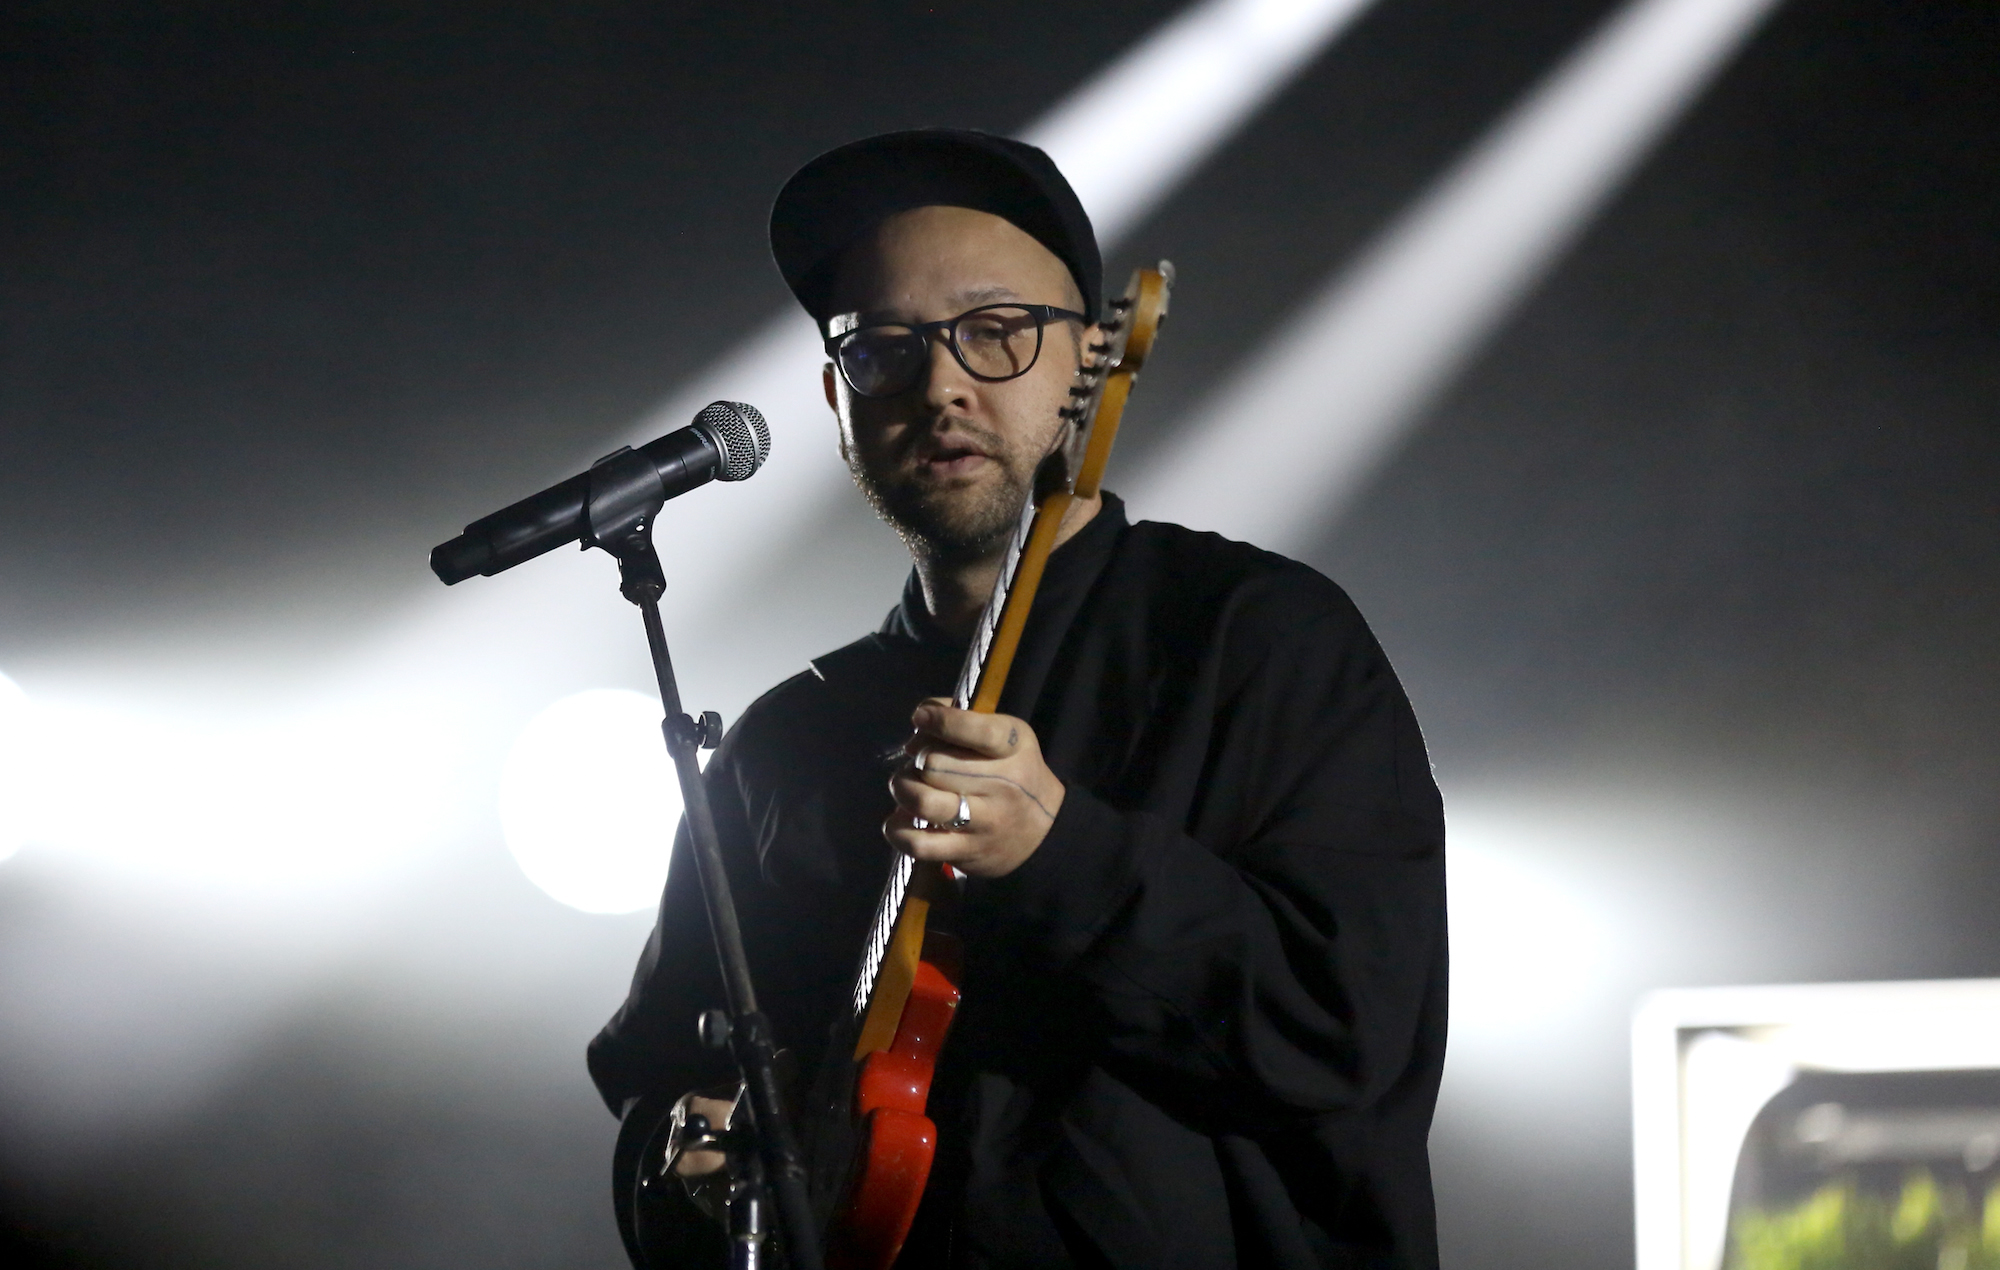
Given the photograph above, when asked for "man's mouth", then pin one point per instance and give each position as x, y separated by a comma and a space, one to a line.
951, 459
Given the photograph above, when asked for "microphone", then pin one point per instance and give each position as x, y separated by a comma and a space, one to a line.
727, 441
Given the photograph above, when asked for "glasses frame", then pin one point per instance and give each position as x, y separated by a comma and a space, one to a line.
1042, 313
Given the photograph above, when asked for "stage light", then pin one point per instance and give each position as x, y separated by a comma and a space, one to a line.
1358, 363
1525, 945
589, 802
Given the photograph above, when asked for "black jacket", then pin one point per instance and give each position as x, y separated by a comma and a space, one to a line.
1203, 1024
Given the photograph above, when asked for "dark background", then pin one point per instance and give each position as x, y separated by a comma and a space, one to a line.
1701, 552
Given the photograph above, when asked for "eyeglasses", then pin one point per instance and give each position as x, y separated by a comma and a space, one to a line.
994, 343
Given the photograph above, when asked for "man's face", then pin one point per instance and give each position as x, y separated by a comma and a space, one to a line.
949, 462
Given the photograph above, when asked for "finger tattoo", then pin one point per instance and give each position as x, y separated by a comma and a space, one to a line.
989, 776
1013, 737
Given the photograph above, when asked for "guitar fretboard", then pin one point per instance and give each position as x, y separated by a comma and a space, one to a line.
968, 683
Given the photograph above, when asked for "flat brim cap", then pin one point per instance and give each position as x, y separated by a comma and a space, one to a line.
833, 201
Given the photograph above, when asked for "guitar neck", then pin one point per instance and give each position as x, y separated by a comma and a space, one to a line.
972, 669
983, 674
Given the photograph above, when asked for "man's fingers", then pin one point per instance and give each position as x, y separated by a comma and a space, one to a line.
919, 799
925, 750
988, 735
953, 775
947, 848
702, 1163
948, 845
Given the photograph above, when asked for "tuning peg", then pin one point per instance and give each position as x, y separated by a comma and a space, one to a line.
1121, 304
1100, 349
1080, 390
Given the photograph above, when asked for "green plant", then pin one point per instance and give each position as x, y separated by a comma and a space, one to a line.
1840, 1227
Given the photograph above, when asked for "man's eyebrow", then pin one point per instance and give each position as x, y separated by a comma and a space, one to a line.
985, 295
960, 299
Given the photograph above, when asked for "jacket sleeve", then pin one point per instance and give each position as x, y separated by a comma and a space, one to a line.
1282, 947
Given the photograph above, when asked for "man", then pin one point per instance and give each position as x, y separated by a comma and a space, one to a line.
1203, 1014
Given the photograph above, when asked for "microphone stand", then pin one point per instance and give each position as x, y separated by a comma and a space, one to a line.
625, 495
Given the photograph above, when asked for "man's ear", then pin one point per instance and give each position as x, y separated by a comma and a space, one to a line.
833, 404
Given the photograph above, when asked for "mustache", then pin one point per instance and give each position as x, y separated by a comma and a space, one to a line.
957, 435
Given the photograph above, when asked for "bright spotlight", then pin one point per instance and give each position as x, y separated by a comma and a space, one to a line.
588, 801
1524, 946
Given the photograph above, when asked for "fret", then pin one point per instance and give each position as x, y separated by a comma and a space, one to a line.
883, 927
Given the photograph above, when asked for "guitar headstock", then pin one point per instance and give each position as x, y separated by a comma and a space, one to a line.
1134, 322
1129, 330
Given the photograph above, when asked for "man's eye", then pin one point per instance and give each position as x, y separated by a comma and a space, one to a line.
883, 344
983, 332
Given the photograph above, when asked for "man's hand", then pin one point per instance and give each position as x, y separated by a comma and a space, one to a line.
993, 762
693, 1164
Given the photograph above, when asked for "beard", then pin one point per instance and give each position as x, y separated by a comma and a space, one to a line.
955, 520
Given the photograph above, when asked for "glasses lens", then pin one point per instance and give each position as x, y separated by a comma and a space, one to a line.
999, 342
881, 361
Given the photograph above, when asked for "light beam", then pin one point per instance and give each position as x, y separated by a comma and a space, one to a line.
1356, 366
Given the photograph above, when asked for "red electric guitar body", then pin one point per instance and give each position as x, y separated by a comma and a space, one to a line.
894, 1141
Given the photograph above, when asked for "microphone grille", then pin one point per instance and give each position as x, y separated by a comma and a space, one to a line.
741, 432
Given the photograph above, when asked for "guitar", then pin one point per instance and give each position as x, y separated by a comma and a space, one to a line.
869, 1144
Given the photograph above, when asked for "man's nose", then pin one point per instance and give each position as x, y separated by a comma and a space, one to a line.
945, 381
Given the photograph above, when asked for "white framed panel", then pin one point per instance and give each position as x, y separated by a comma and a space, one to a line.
1705, 1061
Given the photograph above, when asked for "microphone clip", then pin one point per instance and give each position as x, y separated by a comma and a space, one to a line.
624, 496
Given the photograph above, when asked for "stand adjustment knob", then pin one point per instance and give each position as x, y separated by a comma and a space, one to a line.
713, 1028
708, 729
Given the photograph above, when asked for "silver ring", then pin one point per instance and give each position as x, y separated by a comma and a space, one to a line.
963, 820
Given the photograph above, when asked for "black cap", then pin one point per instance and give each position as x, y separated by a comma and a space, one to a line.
838, 197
